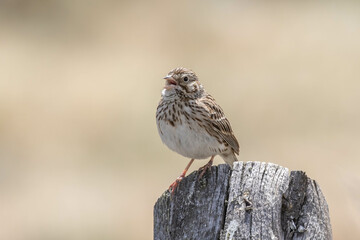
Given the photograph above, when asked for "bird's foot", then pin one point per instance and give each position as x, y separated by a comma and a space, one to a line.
204, 168
174, 185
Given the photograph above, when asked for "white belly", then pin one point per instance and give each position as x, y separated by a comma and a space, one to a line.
192, 143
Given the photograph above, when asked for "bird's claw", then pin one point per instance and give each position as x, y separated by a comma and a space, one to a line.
174, 185
203, 170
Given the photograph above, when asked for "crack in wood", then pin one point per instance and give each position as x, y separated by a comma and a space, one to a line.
254, 201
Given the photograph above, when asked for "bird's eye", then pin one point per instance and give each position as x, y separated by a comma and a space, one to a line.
186, 79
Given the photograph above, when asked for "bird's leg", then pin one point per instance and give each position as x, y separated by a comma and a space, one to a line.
207, 166
176, 183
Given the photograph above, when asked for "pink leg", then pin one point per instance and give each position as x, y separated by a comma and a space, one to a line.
176, 183
207, 166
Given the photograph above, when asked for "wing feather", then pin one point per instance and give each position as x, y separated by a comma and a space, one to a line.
216, 122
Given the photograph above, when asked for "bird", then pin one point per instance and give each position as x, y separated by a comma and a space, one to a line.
192, 124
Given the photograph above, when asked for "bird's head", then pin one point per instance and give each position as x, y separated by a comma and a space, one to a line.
182, 81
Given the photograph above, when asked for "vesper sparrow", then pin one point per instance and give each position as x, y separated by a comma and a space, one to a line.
192, 124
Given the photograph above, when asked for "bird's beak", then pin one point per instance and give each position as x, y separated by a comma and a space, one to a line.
170, 81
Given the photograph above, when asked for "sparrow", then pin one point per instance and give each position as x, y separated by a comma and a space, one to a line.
191, 123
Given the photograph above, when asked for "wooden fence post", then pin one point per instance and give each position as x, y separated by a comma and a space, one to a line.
255, 200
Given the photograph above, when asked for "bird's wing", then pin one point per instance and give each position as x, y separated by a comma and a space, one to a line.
216, 122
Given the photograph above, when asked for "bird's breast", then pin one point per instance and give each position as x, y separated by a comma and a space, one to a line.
183, 134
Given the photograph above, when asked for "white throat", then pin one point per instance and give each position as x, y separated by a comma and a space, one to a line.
168, 93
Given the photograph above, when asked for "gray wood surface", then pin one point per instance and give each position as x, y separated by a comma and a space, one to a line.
196, 211
255, 200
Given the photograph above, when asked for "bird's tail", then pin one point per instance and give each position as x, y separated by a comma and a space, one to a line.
229, 158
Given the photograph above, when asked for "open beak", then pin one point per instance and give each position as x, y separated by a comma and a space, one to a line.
170, 81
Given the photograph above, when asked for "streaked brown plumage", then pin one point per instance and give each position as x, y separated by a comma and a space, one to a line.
191, 123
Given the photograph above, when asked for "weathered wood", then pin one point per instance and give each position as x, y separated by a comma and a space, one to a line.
309, 216
196, 211
257, 201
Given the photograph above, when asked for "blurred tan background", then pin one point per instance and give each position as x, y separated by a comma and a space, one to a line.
80, 156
